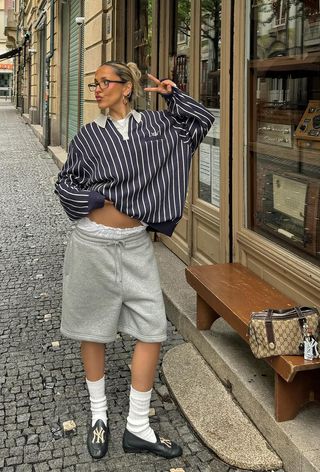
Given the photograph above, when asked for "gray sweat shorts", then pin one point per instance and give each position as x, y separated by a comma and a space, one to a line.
111, 283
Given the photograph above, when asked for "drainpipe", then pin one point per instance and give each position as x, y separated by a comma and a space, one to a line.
19, 98
25, 41
48, 63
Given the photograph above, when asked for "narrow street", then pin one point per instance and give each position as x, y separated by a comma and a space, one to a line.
42, 384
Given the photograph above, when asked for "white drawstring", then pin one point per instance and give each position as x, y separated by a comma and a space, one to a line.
118, 260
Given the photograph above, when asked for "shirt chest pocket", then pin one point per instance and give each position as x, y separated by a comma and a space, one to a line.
152, 138
154, 146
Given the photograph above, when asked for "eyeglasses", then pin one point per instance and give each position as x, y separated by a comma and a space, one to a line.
104, 84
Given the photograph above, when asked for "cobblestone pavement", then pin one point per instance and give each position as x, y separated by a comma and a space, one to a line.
42, 386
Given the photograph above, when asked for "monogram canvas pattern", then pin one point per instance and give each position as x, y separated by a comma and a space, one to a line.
287, 336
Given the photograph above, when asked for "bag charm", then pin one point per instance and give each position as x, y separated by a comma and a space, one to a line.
310, 345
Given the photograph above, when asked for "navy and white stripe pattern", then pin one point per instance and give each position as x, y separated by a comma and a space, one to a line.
145, 176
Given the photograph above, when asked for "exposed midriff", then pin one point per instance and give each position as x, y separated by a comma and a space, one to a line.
110, 216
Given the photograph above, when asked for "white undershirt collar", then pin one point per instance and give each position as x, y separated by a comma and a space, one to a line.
101, 120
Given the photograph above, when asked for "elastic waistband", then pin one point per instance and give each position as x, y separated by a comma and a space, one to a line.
112, 237
92, 227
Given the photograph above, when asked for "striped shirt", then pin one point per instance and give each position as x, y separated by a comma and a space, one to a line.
144, 174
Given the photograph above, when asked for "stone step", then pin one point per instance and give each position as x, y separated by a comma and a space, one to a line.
213, 413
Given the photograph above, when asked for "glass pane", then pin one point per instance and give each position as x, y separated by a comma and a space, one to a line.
142, 46
180, 56
209, 161
284, 124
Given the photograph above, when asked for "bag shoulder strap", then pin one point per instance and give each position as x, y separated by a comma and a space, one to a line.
269, 328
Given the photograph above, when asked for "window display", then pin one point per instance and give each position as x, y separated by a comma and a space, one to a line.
209, 152
284, 124
210, 51
142, 45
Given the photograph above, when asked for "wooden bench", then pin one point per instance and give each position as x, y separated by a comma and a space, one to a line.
232, 292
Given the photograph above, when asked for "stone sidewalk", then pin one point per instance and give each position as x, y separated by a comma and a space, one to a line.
43, 385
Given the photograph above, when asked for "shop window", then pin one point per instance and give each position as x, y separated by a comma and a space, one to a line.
142, 45
284, 126
180, 56
209, 161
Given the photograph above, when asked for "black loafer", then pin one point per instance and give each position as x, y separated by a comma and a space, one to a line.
97, 439
163, 447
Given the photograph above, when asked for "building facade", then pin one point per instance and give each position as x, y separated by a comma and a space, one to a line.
6, 64
254, 186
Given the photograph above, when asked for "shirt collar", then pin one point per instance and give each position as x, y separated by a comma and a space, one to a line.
101, 120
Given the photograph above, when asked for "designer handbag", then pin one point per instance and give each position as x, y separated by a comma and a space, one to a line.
281, 332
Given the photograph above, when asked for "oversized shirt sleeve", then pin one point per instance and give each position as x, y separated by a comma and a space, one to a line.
71, 186
191, 119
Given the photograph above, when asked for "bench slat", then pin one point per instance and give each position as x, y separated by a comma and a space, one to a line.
239, 289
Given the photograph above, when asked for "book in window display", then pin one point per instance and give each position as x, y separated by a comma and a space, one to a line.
288, 206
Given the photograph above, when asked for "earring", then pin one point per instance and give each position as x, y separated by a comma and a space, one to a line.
125, 99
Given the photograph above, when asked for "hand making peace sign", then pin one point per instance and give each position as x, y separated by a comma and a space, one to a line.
164, 87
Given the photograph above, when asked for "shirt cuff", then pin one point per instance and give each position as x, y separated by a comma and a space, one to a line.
96, 200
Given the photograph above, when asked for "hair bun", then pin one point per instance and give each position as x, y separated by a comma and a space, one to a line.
135, 71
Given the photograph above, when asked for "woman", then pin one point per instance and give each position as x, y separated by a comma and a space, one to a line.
126, 172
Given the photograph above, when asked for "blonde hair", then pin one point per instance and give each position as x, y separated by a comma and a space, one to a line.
129, 73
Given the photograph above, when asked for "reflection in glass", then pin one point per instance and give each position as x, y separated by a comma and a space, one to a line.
283, 127
285, 28
209, 161
181, 50
142, 45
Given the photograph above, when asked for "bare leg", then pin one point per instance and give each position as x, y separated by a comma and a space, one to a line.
93, 360
143, 366
138, 435
144, 363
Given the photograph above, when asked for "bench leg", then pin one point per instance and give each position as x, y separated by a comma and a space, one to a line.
290, 397
205, 314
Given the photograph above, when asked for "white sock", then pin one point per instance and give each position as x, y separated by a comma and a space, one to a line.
138, 418
98, 400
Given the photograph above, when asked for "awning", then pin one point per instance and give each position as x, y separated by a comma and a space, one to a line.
8, 54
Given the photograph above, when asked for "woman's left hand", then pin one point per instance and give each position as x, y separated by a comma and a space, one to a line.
164, 87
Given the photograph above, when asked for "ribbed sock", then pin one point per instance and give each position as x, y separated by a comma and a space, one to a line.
138, 418
98, 400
